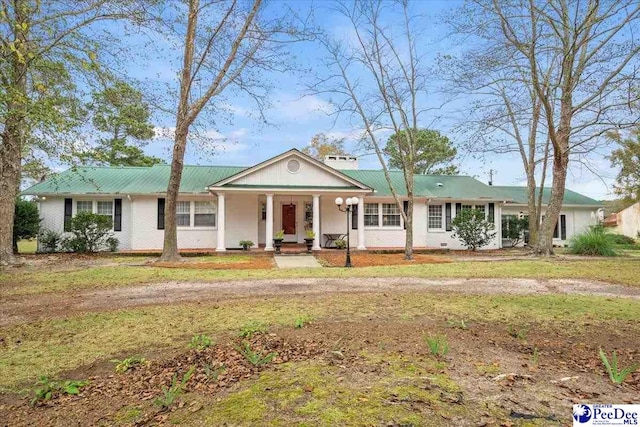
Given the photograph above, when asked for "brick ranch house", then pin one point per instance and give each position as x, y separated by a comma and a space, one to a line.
220, 205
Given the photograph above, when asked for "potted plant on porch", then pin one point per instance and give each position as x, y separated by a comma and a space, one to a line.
277, 240
246, 244
309, 240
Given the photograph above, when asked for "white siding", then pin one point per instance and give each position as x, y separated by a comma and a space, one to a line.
578, 219
52, 214
442, 239
277, 174
241, 219
147, 236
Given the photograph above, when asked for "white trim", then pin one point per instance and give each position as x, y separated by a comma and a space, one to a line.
290, 153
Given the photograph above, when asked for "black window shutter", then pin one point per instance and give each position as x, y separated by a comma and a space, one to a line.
68, 213
447, 216
492, 213
354, 217
160, 213
117, 215
405, 207
458, 208
563, 227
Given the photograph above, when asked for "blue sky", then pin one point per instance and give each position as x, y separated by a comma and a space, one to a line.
242, 139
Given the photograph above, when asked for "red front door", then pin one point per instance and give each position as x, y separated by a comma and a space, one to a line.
289, 219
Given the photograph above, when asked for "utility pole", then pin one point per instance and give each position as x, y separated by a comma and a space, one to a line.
491, 172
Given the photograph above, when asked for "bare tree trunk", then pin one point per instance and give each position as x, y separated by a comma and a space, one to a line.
13, 136
544, 246
170, 247
408, 248
10, 159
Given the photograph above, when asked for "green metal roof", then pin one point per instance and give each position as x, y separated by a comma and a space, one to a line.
452, 186
130, 180
519, 195
195, 179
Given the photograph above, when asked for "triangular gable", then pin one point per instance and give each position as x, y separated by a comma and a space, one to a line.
276, 172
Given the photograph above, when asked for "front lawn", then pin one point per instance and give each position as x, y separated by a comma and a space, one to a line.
126, 271
358, 359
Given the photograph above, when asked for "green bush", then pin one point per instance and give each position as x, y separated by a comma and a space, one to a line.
50, 241
472, 228
91, 232
514, 229
26, 222
593, 242
621, 239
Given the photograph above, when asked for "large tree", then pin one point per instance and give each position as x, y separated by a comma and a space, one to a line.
228, 46
627, 158
120, 112
577, 61
376, 79
322, 146
434, 152
45, 45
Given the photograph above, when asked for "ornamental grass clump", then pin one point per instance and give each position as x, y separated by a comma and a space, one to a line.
593, 242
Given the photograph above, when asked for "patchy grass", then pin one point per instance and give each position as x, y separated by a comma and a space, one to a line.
26, 281
326, 395
27, 246
50, 346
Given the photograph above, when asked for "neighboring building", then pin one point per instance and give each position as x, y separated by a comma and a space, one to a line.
220, 206
626, 222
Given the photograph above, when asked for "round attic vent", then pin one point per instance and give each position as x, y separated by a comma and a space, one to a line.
293, 166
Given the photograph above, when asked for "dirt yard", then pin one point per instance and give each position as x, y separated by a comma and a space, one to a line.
373, 371
369, 259
410, 350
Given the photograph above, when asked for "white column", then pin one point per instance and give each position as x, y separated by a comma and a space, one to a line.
361, 244
316, 222
268, 246
221, 247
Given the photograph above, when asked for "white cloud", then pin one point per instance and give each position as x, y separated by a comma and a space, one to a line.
290, 107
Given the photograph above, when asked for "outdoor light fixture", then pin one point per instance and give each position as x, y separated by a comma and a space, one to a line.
349, 203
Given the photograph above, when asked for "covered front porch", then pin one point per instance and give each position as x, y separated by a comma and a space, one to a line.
257, 216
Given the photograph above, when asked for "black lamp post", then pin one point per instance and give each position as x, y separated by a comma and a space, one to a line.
349, 203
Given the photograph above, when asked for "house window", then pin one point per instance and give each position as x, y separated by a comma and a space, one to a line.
183, 214
435, 217
105, 208
84, 206
371, 214
263, 212
469, 207
390, 215
204, 214
481, 209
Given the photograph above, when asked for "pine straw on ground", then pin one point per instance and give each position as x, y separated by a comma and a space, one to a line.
368, 259
255, 263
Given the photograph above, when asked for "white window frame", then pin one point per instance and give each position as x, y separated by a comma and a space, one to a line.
383, 214
94, 207
377, 214
92, 210
442, 217
192, 215
380, 214
214, 213
485, 209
